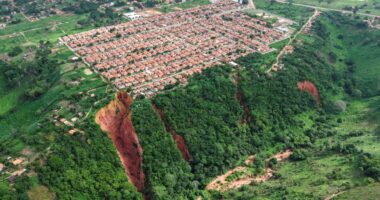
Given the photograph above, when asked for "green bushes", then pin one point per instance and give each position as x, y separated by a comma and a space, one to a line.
15, 52
207, 114
369, 165
85, 166
167, 175
37, 75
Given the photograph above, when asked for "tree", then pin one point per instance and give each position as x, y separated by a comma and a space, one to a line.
15, 51
298, 155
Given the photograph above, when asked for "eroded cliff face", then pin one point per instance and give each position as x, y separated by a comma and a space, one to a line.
115, 119
309, 87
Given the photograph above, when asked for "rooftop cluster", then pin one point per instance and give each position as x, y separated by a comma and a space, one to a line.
148, 54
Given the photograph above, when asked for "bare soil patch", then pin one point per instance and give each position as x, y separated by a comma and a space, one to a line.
221, 183
115, 119
87, 71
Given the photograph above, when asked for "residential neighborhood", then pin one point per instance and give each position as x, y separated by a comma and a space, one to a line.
148, 54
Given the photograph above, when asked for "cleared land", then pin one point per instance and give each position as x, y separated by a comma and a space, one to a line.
146, 55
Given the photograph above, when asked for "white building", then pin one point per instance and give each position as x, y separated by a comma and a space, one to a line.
132, 15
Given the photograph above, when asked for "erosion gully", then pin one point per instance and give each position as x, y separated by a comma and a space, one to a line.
179, 140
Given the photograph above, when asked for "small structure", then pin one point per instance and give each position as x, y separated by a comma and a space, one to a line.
75, 58
67, 123
72, 131
2, 25
282, 29
74, 119
17, 161
233, 63
132, 16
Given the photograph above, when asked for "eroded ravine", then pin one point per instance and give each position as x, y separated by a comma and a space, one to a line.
115, 119
179, 140
239, 96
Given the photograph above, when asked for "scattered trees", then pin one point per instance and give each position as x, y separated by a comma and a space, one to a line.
36, 76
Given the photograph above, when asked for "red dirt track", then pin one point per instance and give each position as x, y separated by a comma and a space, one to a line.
309, 87
115, 119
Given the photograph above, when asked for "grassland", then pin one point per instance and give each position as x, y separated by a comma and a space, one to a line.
326, 173
23, 112
165, 8
369, 192
50, 29
14, 111
372, 6
297, 14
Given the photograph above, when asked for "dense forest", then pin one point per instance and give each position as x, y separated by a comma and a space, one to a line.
207, 114
168, 175
86, 167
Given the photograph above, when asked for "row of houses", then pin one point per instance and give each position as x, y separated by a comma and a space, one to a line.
150, 53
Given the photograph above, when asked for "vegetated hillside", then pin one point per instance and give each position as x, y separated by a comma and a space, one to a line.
207, 114
337, 149
72, 160
363, 48
168, 175
116, 120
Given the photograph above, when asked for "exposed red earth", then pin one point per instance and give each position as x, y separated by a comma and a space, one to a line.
181, 145
179, 140
239, 96
115, 119
309, 87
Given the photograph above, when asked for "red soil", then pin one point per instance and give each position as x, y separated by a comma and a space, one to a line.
239, 96
309, 87
179, 140
246, 118
115, 119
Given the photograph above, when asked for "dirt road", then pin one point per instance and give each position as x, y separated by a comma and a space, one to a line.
283, 51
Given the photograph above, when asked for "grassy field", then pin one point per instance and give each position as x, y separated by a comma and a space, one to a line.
188, 4
372, 6
50, 29
44, 23
369, 192
9, 101
324, 174
297, 14
47, 29
23, 114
